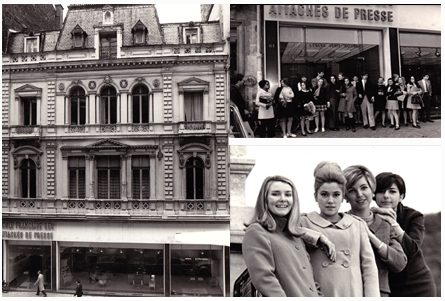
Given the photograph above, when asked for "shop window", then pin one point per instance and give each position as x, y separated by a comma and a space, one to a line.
140, 166
191, 35
31, 44
197, 270
28, 179
139, 33
108, 102
76, 167
108, 177
194, 178
29, 111
108, 45
112, 268
78, 106
193, 106
140, 104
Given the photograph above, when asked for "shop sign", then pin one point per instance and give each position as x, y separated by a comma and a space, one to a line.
328, 13
28, 230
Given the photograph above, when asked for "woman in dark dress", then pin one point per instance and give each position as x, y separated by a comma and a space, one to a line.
305, 107
392, 103
380, 100
416, 280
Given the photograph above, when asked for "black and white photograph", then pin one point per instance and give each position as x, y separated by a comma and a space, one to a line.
348, 222
335, 71
133, 163
115, 150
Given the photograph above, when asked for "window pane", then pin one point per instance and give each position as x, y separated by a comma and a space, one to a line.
145, 109
113, 110
26, 112
136, 110
73, 184
199, 182
139, 36
115, 184
146, 184
102, 184
74, 111
25, 183
136, 184
190, 183
31, 45
81, 184
83, 111
193, 106
78, 40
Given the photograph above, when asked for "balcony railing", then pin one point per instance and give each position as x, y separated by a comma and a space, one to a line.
151, 209
195, 126
108, 52
25, 131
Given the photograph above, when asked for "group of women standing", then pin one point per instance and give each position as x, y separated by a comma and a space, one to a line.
339, 95
367, 251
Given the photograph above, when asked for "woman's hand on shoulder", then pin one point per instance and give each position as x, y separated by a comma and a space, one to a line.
328, 247
385, 211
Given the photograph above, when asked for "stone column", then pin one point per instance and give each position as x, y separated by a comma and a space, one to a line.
92, 176
124, 177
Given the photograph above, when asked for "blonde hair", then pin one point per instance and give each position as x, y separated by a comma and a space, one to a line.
328, 172
263, 215
354, 173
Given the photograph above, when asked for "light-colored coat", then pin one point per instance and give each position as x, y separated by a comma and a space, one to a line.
40, 281
354, 273
278, 262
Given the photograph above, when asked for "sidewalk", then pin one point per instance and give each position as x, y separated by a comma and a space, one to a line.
33, 294
427, 130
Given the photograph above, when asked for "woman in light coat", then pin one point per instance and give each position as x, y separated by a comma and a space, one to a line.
354, 272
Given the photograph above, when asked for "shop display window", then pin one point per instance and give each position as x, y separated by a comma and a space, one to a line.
305, 51
197, 270
111, 269
23, 263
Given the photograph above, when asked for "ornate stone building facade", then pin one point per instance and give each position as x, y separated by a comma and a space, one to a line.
115, 154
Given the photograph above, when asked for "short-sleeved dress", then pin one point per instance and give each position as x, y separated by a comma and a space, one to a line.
391, 94
380, 98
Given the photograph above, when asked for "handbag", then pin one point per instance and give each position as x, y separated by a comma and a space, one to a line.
416, 99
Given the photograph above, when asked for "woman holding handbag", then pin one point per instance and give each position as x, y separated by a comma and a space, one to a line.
414, 101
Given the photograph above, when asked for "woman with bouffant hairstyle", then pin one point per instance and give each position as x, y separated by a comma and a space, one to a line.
354, 273
274, 245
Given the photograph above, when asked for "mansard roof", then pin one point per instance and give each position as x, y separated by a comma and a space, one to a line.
90, 16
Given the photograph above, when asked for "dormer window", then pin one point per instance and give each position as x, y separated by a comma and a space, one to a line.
79, 37
191, 35
32, 44
139, 33
108, 15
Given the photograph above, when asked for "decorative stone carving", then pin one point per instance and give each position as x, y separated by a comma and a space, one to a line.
61, 87
92, 85
123, 83
156, 83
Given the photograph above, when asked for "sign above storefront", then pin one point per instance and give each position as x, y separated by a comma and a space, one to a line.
28, 230
329, 13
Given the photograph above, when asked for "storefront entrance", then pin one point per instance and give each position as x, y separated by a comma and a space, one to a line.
306, 51
23, 263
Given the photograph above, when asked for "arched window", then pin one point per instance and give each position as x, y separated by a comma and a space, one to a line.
78, 106
28, 177
108, 101
194, 178
140, 104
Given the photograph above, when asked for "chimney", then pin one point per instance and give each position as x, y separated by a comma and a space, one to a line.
59, 16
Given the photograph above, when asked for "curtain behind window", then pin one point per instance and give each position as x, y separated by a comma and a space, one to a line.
193, 106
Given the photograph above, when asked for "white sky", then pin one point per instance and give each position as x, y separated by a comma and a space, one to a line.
422, 176
169, 12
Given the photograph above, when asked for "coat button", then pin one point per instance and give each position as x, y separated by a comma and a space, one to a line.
311, 289
347, 252
345, 264
297, 247
325, 264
